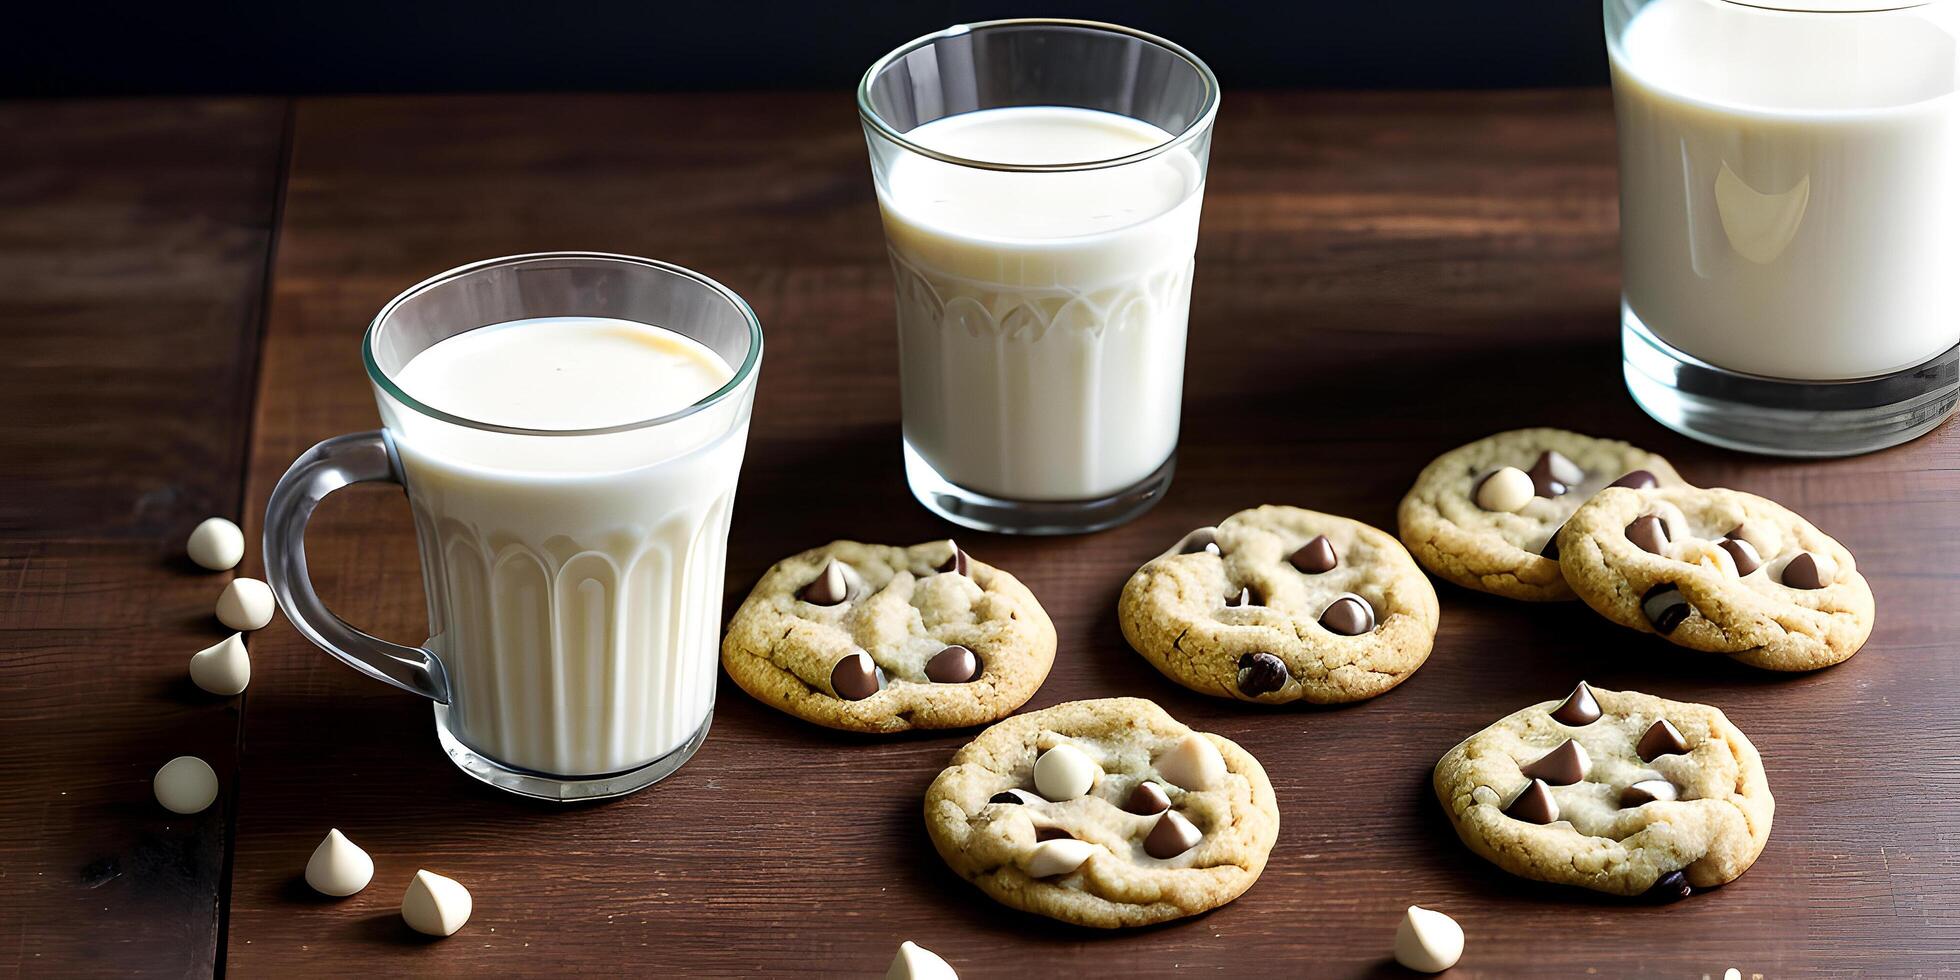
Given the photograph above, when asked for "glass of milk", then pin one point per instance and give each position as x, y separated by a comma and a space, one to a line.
1040, 182
569, 428
1790, 218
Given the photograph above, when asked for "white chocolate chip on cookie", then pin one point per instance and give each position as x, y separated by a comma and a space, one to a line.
1064, 773
1193, 763
1506, 489
1058, 857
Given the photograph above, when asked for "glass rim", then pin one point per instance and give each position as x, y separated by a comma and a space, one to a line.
1832, 6
1622, 63
1191, 131
744, 373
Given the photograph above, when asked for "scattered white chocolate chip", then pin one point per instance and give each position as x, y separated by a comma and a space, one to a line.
1507, 489
222, 668
339, 867
1193, 763
1428, 941
434, 905
1058, 857
1065, 773
1731, 974
246, 604
915, 962
186, 784
216, 544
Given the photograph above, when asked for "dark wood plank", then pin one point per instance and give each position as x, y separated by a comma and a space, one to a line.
1382, 277
133, 245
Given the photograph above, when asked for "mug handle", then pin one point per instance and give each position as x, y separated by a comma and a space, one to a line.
360, 457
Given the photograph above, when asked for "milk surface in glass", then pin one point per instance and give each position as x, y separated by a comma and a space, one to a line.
1789, 201
1041, 316
574, 582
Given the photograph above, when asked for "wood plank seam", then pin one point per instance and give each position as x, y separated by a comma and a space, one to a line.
260, 317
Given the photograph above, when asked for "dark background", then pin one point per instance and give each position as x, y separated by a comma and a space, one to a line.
312, 46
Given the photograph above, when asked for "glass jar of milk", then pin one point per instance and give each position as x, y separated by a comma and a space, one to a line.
1040, 183
1790, 218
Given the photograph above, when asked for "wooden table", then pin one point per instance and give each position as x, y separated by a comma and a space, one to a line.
1381, 277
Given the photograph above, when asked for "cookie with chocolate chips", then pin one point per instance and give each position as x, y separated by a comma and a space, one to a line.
874, 638
1485, 515
1615, 791
1280, 604
1720, 571
1105, 813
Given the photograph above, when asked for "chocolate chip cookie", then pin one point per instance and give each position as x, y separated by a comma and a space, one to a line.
1720, 571
874, 638
1105, 813
1281, 604
1615, 791
1485, 515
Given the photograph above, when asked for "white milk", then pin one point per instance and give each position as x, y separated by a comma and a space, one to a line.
1041, 317
1789, 200
574, 582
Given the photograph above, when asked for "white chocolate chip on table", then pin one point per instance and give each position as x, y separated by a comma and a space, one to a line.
217, 544
222, 668
1172, 823
186, 784
435, 905
915, 962
1428, 941
339, 867
246, 604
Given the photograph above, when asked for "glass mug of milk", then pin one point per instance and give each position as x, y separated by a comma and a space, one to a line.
569, 428
1040, 182
1790, 218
